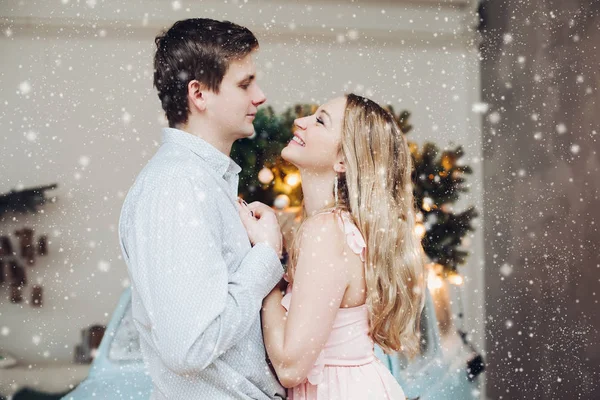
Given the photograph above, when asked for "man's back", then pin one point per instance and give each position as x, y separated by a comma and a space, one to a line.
197, 284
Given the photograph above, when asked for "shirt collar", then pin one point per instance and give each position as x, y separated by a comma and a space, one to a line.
221, 163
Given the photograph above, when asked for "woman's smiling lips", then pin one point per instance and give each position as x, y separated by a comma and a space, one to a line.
298, 140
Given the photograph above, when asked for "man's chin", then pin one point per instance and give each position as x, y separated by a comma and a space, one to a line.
246, 135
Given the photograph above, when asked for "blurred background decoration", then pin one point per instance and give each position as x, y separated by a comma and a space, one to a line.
25, 200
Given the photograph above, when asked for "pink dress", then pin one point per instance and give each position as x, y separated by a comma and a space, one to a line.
347, 368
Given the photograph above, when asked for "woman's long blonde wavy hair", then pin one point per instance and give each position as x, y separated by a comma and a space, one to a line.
377, 191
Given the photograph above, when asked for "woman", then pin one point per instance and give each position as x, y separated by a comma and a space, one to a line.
356, 267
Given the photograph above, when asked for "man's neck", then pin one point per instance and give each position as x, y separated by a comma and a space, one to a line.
209, 134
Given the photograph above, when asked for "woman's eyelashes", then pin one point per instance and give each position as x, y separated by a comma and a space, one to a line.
320, 121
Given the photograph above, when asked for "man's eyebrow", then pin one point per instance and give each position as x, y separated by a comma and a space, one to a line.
248, 79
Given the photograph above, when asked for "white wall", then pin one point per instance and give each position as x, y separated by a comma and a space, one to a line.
96, 120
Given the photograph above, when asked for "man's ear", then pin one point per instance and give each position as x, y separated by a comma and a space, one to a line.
339, 167
197, 95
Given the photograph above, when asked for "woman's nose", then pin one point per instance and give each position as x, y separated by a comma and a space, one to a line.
300, 123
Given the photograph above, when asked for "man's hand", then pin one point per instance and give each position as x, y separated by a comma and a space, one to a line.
261, 224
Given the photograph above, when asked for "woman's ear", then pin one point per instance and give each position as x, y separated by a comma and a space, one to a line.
339, 167
197, 95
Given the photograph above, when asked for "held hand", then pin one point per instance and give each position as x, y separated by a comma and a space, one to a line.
261, 225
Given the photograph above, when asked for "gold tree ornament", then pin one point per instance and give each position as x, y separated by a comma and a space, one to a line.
448, 160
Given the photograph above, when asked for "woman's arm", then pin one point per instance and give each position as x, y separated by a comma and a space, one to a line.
294, 342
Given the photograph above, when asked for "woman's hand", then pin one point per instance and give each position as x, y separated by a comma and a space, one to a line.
261, 225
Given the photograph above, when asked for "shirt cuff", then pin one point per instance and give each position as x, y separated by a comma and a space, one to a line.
270, 268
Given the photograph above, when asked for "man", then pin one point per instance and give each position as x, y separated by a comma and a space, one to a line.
197, 284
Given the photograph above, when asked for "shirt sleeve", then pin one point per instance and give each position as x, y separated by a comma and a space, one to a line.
197, 309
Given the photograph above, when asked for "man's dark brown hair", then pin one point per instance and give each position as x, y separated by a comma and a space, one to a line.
196, 49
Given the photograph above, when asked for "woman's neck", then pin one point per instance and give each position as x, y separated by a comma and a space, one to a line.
317, 190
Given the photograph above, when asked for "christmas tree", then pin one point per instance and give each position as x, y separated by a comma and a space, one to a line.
438, 177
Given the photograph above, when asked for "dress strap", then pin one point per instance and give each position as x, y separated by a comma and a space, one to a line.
354, 238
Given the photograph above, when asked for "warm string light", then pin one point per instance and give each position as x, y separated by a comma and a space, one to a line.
434, 281
427, 203
420, 230
455, 279
265, 176
435, 277
285, 186
282, 201
292, 179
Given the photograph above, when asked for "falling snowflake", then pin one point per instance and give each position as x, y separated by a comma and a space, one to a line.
31, 136
506, 270
103, 266
84, 161
24, 87
494, 117
575, 149
352, 34
480, 108
183, 76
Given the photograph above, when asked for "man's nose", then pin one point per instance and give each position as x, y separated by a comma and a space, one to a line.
259, 98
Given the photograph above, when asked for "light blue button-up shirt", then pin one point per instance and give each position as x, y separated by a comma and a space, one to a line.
197, 284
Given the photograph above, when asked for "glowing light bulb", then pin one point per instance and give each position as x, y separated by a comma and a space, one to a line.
420, 230
456, 279
434, 281
292, 179
282, 201
427, 203
265, 175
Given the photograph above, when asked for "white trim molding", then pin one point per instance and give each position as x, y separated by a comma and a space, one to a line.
410, 22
